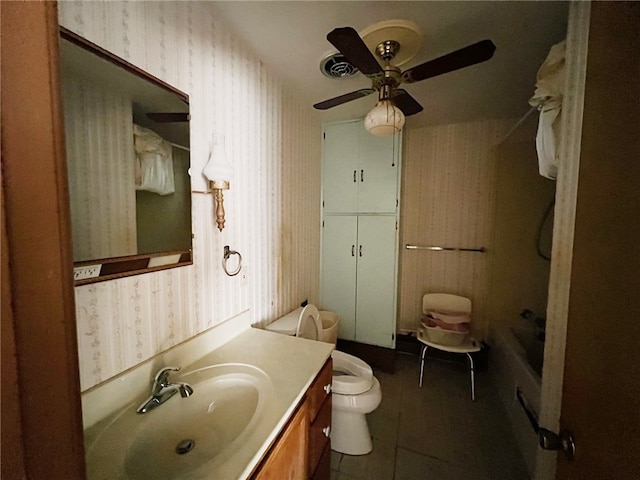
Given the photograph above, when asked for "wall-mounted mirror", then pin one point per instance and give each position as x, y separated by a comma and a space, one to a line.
127, 142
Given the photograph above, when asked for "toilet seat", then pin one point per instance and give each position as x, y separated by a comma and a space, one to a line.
354, 376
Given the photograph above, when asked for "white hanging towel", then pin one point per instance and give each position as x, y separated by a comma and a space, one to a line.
548, 98
154, 162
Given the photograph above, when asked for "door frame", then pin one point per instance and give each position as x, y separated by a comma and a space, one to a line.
46, 437
563, 231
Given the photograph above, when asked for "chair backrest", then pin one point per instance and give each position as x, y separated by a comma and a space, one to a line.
445, 302
309, 323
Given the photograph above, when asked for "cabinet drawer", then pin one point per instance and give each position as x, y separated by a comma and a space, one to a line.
319, 433
319, 390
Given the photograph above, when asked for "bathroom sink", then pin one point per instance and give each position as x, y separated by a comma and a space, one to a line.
183, 437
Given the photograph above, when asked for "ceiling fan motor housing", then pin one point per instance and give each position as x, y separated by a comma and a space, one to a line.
388, 49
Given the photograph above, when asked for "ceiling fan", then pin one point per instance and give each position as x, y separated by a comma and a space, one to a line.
386, 80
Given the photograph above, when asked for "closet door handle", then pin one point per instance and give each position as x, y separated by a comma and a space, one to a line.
362, 175
355, 172
353, 250
360, 250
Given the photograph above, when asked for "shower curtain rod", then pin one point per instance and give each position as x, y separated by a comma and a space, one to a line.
518, 123
179, 146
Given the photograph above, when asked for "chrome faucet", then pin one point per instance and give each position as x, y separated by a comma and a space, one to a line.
163, 390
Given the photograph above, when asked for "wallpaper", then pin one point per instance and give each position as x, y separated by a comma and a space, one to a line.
448, 196
99, 143
272, 207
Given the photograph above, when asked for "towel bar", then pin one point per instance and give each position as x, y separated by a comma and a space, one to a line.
440, 249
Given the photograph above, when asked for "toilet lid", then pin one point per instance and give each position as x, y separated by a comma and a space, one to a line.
351, 376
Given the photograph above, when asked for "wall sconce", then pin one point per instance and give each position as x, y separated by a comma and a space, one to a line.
219, 173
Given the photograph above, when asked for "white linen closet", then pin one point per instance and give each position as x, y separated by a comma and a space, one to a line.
360, 211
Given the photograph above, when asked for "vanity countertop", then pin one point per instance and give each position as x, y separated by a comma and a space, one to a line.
292, 364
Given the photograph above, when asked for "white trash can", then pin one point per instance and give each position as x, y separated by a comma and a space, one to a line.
330, 321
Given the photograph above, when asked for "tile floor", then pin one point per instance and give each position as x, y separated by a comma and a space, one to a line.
435, 432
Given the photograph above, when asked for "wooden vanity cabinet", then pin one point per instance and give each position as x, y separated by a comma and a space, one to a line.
302, 450
319, 401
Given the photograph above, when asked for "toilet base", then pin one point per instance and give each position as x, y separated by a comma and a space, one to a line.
350, 433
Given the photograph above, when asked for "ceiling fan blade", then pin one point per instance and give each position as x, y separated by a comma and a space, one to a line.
467, 56
347, 97
349, 43
168, 117
406, 102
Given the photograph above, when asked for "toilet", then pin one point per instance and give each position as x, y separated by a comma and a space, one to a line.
356, 391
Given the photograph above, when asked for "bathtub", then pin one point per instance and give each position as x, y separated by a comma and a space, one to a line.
514, 354
528, 339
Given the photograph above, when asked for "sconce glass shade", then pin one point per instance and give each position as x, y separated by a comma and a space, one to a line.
384, 119
218, 170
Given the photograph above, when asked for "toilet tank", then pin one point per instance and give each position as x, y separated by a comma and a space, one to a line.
287, 324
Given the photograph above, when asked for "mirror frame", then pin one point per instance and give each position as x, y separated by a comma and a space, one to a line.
117, 267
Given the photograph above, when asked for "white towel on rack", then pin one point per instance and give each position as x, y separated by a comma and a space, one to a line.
154, 162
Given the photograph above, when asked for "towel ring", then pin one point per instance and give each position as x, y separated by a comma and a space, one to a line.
225, 259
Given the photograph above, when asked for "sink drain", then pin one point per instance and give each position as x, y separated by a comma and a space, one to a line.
185, 446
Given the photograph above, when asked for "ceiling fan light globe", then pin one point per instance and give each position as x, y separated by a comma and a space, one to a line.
384, 119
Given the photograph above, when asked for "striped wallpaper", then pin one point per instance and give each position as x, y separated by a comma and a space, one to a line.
448, 195
100, 158
272, 208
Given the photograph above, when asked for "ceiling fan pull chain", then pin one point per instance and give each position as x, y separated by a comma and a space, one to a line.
393, 151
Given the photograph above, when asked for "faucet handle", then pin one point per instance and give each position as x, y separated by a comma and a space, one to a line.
162, 377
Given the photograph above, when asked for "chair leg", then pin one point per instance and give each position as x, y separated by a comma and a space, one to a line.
473, 383
422, 355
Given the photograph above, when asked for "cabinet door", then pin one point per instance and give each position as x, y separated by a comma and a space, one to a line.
340, 167
359, 170
376, 281
288, 457
377, 174
338, 282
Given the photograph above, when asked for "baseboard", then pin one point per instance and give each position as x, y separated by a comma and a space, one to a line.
377, 357
407, 344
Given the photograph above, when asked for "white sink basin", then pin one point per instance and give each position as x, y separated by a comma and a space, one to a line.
183, 437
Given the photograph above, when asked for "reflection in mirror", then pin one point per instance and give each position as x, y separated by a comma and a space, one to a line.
127, 142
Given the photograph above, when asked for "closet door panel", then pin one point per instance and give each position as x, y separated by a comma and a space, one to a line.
376, 281
377, 173
338, 282
340, 174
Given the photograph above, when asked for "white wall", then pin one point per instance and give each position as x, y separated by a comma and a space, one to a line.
273, 213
